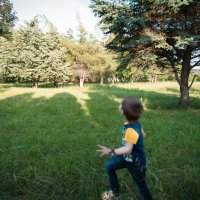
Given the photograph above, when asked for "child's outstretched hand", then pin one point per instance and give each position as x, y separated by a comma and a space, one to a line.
104, 150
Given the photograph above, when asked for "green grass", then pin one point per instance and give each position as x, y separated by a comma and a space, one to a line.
48, 140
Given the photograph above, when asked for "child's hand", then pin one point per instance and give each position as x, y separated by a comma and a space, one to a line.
104, 150
143, 134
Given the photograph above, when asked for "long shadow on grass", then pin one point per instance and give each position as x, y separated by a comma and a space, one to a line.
28, 84
3, 90
47, 146
153, 100
174, 90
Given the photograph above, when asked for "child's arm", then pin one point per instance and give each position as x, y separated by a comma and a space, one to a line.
143, 134
120, 151
124, 150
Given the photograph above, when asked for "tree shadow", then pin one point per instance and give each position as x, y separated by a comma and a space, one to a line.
174, 90
45, 145
151, 99
3, 90
28, 84
192, 90
4, 87
195, 90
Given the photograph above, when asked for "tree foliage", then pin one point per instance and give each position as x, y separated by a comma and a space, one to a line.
7, 18
88, 57
5, 56
35, 55
168, 29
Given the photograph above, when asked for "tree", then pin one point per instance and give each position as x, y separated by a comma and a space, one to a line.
70, 34
5, 55
7, 18
37, 55
56, 68
82, 33
80, 54
168, 29
29, 43
104, 63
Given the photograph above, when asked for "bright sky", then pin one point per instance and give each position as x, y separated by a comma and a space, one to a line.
61, 12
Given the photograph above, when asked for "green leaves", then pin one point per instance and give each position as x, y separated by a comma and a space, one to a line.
173, 5
34, 54
164, 27
7, 18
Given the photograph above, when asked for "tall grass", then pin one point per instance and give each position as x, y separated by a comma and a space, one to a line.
48, 140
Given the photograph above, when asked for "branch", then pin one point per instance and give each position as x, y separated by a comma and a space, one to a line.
176, 75
195, 64
192, 81
195, 56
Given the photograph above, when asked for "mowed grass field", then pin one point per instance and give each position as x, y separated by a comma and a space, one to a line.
48, 140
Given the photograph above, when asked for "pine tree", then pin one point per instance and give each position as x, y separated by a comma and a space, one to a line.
37, 55
169, 29
31, 47
56, 70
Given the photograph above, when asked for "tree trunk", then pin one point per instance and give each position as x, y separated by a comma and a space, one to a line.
19, 80
34, 83
155, 78
81, 82
93, 78
55, 83
184, 100
184, 88
101, 83
132, 78
113, 80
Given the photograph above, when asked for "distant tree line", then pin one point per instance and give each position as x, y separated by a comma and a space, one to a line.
31, 54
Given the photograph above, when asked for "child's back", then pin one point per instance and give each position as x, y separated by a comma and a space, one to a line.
131, 155
138, 152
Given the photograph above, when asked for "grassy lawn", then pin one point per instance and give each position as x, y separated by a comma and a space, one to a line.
48, 140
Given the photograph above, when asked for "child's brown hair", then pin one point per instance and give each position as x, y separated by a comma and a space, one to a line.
132, 108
